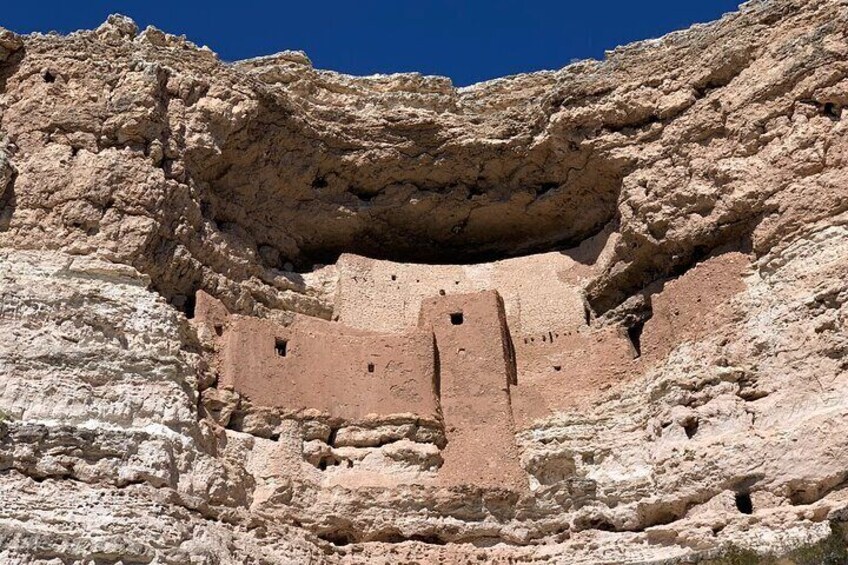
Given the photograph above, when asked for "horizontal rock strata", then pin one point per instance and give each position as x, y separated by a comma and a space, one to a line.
626, 282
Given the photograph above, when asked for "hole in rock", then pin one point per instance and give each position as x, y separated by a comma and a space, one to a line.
831, 110
691, 428
432, 539
319, 182
557, 368
744, 504
219, 330
327, 462
185, 304
370, 367
281, 347
337, 538
602, 524
634, 334
394, 277
48, 77
441, 292
457, 318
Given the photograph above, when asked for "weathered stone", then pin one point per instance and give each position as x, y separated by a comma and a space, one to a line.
660, 378
9, 43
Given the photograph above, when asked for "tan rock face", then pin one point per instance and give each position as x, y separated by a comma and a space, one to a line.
262, 313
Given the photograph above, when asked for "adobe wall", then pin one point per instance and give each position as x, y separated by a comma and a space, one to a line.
463, 364
538, 292
564, 369
559, 371
210, 316
693, 305
315, 364
476, 368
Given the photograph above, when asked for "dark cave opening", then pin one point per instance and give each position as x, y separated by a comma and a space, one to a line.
634, 334
744, 503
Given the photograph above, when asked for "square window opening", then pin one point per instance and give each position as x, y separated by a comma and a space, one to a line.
281, 346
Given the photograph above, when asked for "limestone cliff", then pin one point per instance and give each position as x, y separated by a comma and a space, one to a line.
648, 255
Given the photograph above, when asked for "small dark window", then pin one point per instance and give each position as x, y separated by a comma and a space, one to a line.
394, 277
370, 367
48, 77
281, 346
744, 504
219, 330
557, 368
457, 318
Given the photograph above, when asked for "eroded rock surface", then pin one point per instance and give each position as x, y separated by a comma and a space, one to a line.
625, 282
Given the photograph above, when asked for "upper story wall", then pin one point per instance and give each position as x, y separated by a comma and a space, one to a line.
537, 291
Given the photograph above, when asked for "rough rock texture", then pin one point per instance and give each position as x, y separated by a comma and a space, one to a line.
697, 185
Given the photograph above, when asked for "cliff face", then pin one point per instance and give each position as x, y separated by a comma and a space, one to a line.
667, 231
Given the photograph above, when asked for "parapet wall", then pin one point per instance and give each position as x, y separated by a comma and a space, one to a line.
537, 292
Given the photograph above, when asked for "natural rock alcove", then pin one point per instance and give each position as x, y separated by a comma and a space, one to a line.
259, 312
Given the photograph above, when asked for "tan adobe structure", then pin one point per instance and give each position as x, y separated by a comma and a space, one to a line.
477, 368
464, 360
558, 355
538, 291
315, 364
461, 380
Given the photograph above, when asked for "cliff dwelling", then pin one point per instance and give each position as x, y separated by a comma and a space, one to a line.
259, 312
448, 361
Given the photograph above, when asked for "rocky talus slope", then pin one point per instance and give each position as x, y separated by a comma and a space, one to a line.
689, 193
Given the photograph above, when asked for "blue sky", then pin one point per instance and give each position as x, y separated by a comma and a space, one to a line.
468, 40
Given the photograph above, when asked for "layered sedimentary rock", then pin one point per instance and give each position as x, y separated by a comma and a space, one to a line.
256, 312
